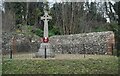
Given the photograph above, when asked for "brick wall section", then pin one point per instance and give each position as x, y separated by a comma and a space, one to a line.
111, 43
90, 43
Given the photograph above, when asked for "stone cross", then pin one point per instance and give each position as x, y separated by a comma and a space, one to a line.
46, 18
45, 49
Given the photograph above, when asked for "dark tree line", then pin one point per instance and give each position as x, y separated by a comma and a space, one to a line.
79, 17
69, 17
26, 13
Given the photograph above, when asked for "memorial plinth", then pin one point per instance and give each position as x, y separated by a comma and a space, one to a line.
45, 51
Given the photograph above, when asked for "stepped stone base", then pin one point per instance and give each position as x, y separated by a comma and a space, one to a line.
41, 52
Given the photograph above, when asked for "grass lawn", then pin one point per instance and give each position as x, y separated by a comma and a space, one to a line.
107, 65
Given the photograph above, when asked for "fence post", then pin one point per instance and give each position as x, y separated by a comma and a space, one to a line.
84, 50
11, 54
118, 49
45, 53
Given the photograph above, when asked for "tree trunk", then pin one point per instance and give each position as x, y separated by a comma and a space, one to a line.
63, 18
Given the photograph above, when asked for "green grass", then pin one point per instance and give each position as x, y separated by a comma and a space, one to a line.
79, 66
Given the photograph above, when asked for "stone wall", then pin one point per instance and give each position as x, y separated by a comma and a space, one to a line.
20, 43
90, 43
